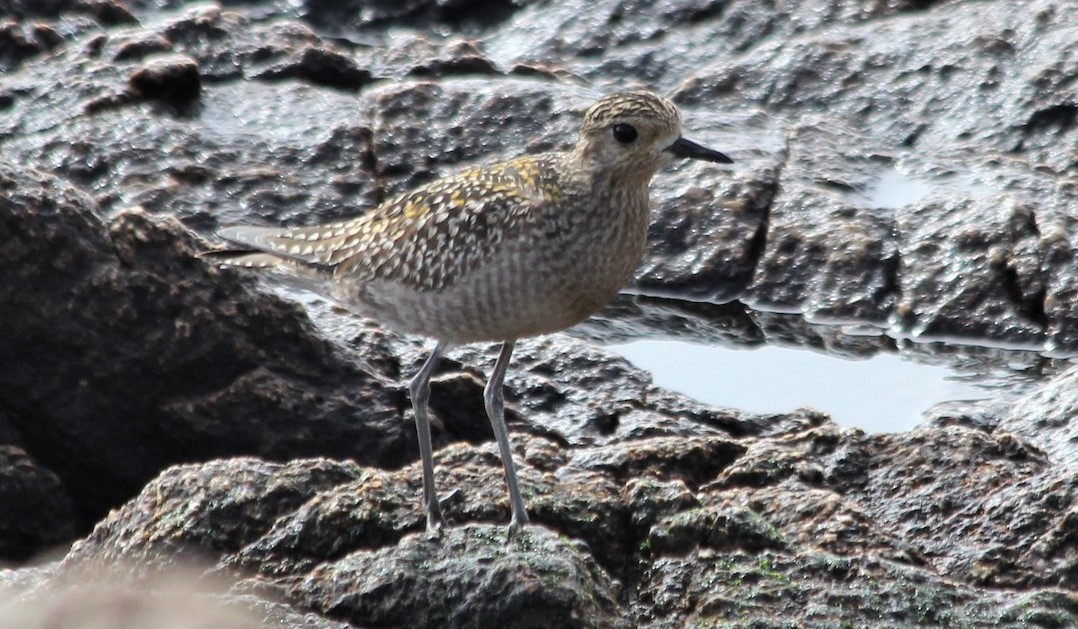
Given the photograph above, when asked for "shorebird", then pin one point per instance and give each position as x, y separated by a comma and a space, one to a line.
500, 252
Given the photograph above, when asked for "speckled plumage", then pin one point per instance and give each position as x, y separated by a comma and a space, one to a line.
504, 251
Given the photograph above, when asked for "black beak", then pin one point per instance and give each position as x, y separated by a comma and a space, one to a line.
687, 148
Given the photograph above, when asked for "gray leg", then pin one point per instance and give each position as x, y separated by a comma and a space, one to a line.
495, 411
420, 390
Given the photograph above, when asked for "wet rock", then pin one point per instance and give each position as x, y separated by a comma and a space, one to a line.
885, 93
912, 511
409, 151
471, 577
971, 283
322, 66
1046, 417
769, 588
615, 40
191, 513
18, 42
363, 16
628, 317
716, 528
827, 255
109, 12
902, 168
173, 81
693, 461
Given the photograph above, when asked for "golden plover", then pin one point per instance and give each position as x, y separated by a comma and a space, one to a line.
496, 253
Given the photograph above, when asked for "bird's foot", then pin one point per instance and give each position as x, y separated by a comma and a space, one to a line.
517, 524
436, 523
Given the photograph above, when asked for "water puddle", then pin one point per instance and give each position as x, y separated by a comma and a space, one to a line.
894, 190
881, 393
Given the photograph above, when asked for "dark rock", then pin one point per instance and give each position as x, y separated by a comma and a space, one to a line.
970, 284
722, 529
171, 80
17, 43
694, 461
139, 45
38, 512
885, 92
409, 151
9, 435
629, 317
108, 12
144, 356
772, 588
354, 14
321, 66
191, 514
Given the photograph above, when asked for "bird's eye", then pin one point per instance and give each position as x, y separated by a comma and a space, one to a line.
624, 133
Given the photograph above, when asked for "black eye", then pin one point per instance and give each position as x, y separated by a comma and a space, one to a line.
624, 133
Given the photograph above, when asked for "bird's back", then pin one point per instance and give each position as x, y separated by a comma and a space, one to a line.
508, 250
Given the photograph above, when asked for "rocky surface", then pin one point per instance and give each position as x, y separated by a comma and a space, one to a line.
906, 166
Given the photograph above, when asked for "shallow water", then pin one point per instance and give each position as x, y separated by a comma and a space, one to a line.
882, 393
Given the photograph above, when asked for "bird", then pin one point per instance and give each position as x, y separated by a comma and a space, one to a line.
495, 253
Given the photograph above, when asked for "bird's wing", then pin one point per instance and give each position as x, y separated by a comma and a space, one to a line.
424, 238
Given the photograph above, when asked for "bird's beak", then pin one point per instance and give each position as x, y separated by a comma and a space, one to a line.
687, 148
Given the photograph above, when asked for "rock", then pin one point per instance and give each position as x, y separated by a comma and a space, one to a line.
885, 93
708, 588
174, 81
17, 44
904, 169
190, 513
1046, 417
796, 517
38, 512
472, 577
128, 351
977, 283
827, 254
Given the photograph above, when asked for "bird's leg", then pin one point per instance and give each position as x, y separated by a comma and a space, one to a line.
496, 412
420, 390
